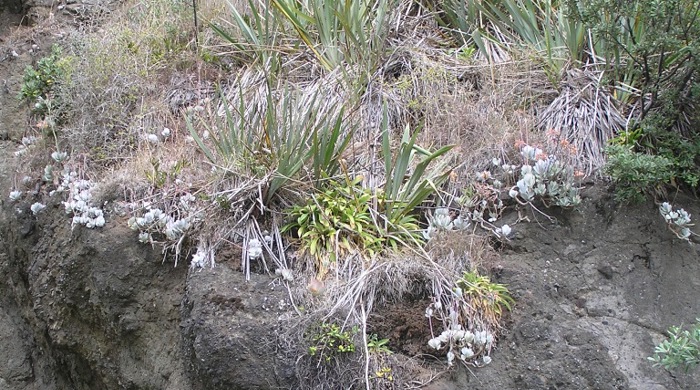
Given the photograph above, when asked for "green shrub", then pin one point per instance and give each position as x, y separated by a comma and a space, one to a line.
335, 221
636, 174
331, 340
681, 349
651, 43
683, 152
38, 82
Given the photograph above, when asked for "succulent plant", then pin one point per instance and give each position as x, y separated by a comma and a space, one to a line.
678, 220
59, 156
545, 178
443, 221
37, 208
463, 341
15, 195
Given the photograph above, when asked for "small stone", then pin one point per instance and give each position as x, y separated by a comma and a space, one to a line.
606, 270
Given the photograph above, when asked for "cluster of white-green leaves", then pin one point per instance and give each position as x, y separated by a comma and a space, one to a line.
545, 178
27, 142
678, 220
462, 344
442, 221
79, 202
155, 221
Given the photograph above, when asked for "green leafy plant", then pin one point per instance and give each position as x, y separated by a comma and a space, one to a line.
681, 349
376, 345
38, 82
485, 297
331, 340
336, 221
635, 174
409, 182
682, 151
345, 217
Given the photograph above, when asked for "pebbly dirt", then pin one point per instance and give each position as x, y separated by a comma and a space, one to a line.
595, 292
79, 309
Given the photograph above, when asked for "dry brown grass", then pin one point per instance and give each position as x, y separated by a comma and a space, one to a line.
115, 90
361, 287
584, 116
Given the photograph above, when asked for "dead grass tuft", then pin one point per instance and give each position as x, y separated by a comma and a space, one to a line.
582, 119
360, 287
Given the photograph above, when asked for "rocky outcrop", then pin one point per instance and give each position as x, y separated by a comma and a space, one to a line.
230, 330
15, 6
103, 310
94, 309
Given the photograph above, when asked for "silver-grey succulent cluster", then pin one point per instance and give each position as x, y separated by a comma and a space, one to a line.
460, 343
466, 344
545, 178
15, 195
441, 220
203, 257
255, 249
48, 173
37, 208
156, 221
678, 220
27, 142
59, 157
79, 201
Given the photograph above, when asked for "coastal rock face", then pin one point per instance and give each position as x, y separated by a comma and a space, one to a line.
102, 311
90, 309
94, 309
15, 6
595, 290
230, 331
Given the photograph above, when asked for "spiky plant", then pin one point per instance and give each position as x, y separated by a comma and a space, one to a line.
584, 117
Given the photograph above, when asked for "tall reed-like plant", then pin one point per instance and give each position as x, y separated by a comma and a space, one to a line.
286, 139
410, 179
543, 25
340, 31
256, 35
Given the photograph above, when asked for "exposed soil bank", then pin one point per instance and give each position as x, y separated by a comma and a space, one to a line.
94, 309
84, 309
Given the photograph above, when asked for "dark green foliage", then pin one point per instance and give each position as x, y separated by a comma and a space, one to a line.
653, 46
653, 42
682, 349
38, 83
683, 152
636, 174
